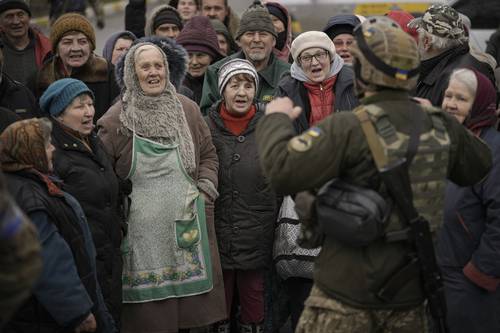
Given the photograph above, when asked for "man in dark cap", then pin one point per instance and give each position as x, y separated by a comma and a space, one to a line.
165, 21
24, 48
219, 9
340, 30
257, 38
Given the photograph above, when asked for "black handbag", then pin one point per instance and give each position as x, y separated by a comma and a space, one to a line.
351, 214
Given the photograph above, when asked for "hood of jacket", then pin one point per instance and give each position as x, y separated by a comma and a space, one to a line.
150, 21
107, 51
298, 73
177, 58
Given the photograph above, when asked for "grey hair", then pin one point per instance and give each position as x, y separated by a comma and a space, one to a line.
467, 78
440, 43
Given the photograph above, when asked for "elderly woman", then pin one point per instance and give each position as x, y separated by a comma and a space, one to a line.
318, 80
469, 243
67, 296
245, 236
200, 41
116, 45
157, 138
73, 44
87, 174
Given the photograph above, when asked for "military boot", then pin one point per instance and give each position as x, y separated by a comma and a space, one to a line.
251, 328
223, 326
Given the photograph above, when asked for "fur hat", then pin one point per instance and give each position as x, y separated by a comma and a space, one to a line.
256, 18
199, 36
61, 93
71, 22
235, 67
176, 55
14, 4
310, 39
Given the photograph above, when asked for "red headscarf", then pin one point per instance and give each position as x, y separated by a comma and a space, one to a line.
483, 111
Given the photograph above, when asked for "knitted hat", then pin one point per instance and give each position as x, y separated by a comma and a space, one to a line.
310, 39
61, 93
441, 21
71, 22
199, 36
235, 67
256, 18
14, 4
167, 15
341, 24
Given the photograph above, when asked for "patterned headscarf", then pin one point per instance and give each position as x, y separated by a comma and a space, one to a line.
23, 148
23, 145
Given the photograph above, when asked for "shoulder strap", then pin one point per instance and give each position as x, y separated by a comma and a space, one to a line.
376, 148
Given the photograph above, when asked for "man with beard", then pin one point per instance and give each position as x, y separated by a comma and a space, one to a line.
257, 38
443, 47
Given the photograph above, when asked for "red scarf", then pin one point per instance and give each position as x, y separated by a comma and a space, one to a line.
236, 124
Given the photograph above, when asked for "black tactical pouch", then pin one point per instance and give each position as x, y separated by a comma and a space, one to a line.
351, 214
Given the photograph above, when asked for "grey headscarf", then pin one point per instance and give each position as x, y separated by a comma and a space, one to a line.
159, 118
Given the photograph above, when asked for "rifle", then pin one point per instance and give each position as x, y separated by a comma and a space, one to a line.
397, 181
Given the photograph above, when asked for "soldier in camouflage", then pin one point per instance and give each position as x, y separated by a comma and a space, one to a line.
348, 280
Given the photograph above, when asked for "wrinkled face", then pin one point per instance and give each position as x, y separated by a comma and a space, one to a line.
150, 70
257, 45
342, 43
15, 23
79, 115
122, 45
315, 62
49, 151
187, 9
457, 100
214, 9
223, 44
239, 94
198, 63
167, 30
74, 49
278, 25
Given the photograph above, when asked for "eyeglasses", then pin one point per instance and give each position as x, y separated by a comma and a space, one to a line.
307, 59
340, 42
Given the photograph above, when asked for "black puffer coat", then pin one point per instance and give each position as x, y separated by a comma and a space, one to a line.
245, 212
18, 98
90, 178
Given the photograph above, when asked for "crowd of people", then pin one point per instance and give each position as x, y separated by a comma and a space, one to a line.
173, 183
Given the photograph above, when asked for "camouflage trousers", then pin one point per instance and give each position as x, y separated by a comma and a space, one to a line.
323, 314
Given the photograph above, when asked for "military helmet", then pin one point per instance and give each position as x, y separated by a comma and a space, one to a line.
385, 55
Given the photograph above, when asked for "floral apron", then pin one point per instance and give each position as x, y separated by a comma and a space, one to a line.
166, 251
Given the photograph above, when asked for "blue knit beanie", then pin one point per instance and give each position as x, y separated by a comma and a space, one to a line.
61, 93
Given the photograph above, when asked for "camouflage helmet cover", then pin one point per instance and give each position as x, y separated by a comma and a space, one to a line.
441, 21
385, 55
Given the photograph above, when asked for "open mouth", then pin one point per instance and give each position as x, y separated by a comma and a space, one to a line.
88, 123
153, 82
76, 56
316, 70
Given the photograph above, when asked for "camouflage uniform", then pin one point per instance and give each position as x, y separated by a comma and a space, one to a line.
348, 279
325, 314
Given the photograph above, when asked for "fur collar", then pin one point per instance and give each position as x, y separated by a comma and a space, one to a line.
94, 70
177, 58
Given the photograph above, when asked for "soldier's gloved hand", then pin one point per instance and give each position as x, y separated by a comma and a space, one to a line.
283, 105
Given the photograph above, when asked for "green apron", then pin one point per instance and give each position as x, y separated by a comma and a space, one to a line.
166, 251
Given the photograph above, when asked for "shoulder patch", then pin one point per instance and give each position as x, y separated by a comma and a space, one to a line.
300, 143
314, 132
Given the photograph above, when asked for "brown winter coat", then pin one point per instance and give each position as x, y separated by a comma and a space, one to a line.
192, 311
